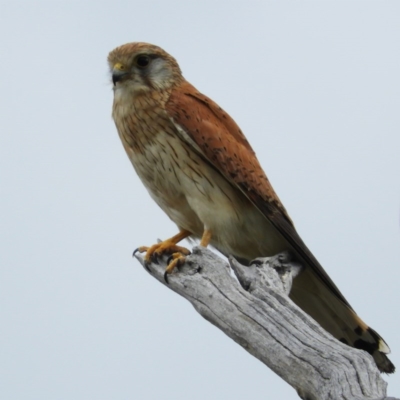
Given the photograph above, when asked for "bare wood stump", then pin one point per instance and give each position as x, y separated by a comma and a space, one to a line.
259, 316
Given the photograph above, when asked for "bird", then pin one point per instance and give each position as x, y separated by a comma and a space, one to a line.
200, 169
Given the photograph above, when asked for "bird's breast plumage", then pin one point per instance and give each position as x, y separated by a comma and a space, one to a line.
189, 190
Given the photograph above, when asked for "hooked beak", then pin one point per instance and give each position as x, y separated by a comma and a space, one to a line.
118, 73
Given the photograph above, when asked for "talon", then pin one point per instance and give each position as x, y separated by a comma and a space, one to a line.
177, 260
140, 249
166, 278
177, 255
170, 258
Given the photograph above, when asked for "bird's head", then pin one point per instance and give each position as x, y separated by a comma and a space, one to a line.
139, 67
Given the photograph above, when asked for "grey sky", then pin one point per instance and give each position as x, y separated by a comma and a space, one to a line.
315, 87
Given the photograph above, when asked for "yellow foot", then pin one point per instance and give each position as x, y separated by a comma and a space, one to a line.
153, 253
176, 260
167, 247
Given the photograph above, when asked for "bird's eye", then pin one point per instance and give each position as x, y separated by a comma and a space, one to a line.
143, 61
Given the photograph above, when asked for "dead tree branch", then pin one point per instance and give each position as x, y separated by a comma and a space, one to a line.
258, 315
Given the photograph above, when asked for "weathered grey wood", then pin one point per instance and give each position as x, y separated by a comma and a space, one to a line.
261, 318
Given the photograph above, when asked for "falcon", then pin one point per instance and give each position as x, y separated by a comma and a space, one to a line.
198, 166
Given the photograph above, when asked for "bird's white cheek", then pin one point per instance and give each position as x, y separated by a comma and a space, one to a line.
160, 75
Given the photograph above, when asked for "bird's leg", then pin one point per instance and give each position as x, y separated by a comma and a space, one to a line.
178, 259
206, 238
165, 247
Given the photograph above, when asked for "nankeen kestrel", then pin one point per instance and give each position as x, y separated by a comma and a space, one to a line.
200, 169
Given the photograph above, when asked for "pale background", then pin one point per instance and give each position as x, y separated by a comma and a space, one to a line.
314, 85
